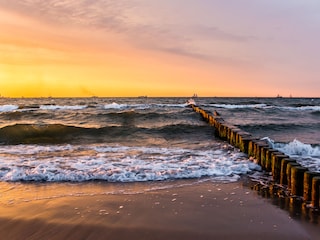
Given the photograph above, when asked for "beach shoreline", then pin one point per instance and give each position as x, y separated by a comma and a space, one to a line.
184, 209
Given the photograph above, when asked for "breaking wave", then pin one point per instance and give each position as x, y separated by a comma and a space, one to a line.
114, 163
307, 155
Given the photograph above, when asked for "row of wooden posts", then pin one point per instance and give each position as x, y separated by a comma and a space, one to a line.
285, 171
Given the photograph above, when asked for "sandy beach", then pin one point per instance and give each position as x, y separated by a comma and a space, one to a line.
181, 210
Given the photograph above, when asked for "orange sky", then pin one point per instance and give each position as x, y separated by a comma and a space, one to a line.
70, 49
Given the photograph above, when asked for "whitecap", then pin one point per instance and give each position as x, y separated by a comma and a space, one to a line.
295, 147
236, 106
115, 105
8, 108
306, 154
58, 107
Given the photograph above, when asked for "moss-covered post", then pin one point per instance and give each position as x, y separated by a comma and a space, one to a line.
244, 140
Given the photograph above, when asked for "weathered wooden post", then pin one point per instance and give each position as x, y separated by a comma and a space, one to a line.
243, 141
307, 184
263, 153
283, 174
288, 172
276, 165
299, 180
258, 146
269, 155
297, 175
315, 192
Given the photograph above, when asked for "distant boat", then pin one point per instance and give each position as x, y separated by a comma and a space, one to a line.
195, 95
279, 96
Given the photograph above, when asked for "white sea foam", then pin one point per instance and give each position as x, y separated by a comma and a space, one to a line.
118, 163
295, 148
302, 108
306, 154
8, 108
312, 108
236, 106
265, 106
58, 107
115, 105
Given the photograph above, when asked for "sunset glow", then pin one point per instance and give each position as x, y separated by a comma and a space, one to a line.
159, 48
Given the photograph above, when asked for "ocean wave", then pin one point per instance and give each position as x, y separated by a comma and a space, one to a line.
266, 106
115, 105
295, 148
109, 106
8, 108
142, 116
183, 105
280, 124
316, 113
273, 127
307, 155
59, 133
143, 106
114, 163
58, 107
300, 108
36, 133
240, 106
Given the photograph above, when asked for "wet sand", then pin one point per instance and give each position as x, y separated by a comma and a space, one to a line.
183, 210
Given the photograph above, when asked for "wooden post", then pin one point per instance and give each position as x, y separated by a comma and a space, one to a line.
289, 166
297, 175
244, 143
258, 146
315, 192
284, 170
307, 184
276, 165
283, 174
269, 159
251, 148
264, 152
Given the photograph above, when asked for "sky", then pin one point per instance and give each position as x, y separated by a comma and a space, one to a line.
129, 48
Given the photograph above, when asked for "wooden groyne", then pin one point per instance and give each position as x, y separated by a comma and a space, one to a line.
285, 171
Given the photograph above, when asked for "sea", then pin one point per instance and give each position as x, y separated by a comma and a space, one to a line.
143, 139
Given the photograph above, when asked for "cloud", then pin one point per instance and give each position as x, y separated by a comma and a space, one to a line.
99, 13
216, 33
212, 58
120, 17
